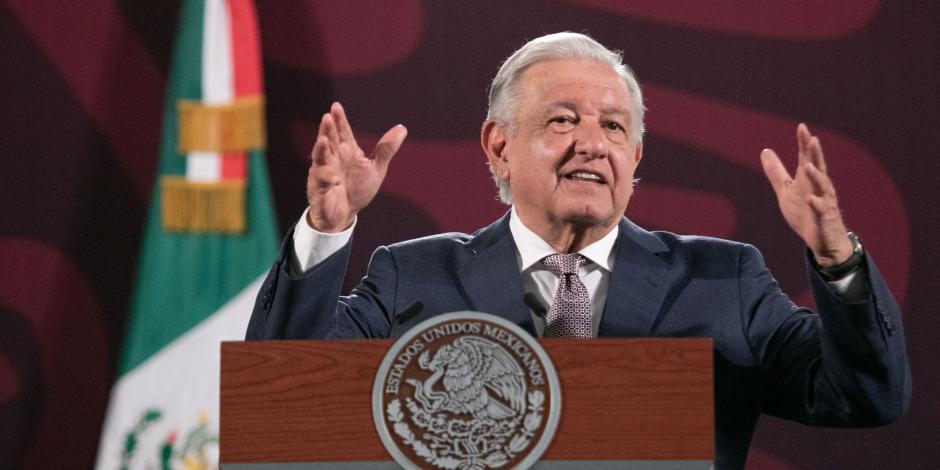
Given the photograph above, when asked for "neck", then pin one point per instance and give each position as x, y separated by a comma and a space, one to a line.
568, 236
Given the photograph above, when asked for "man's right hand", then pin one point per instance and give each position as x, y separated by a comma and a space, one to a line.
342, 178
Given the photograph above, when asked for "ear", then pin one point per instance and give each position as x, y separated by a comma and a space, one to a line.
493, 141
639, 154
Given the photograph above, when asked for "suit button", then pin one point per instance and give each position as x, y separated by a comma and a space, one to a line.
886, 320
266, 299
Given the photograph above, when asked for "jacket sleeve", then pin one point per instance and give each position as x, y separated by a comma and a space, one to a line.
845, 366
309, 305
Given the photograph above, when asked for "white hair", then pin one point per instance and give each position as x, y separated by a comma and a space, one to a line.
505, 93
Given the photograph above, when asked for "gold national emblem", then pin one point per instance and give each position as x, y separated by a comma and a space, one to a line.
466, 390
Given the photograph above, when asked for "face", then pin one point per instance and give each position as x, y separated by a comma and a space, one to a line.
570, 158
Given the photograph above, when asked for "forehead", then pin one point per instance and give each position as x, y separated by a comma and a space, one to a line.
583, 82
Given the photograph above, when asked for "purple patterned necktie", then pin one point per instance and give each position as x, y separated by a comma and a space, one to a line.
570, 315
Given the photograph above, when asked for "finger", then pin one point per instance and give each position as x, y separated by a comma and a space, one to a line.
816, 154
322, 129
828, 220
325, 177
776, 173
819, 181
818, 204
342, 123
824, 210
803, 138
318, 155
328, 128
323, 172
389, 144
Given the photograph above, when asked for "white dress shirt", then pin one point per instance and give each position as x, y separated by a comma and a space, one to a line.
537, 279
311, 247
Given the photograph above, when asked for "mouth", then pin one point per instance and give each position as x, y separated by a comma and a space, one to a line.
588, 176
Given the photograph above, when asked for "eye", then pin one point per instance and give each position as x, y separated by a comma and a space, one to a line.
613, 126
562, 123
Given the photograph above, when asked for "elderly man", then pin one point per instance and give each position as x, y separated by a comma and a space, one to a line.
563, 138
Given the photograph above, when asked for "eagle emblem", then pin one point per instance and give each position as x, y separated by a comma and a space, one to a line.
480, 379
467, 395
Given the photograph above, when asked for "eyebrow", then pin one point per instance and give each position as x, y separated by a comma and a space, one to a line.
562, 104
573, 107
620, 111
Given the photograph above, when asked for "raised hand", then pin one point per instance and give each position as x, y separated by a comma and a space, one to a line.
808, 200
342, 179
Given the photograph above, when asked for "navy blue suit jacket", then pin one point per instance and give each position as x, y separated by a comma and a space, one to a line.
845, 367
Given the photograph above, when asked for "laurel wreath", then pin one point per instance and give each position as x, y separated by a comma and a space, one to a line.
519, 442
149, 417
532, 421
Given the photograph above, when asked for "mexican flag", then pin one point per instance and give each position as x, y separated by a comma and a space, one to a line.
210, 237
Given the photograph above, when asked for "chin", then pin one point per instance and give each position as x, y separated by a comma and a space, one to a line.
588, 215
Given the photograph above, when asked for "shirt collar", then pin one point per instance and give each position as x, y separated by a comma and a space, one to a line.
531, 248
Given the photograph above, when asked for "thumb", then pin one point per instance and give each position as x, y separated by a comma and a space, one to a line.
389, 144
774, 170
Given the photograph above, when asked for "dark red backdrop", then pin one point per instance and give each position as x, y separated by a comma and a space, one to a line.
82, 92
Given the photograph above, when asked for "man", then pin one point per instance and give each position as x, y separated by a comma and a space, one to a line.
563, 138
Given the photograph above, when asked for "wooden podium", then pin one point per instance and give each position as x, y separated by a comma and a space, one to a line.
626, 403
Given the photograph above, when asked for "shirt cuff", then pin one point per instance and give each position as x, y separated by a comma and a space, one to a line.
851, 288
312, 247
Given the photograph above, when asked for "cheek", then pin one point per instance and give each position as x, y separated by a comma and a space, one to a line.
541, 149
627, 162
547, 154
533, 158
626, 172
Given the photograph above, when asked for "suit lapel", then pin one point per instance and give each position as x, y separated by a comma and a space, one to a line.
491, 278
637, 285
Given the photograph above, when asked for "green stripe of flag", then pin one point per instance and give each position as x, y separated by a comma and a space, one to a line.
182, 278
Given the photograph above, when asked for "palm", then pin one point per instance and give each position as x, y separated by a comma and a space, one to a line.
363, 173
342, 179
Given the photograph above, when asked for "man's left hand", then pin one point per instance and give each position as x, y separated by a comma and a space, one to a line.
808, 200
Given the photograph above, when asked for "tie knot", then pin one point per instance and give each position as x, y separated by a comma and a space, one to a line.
561, 264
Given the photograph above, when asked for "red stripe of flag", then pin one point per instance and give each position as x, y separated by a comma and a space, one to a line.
233, 166
246, 62
246, 50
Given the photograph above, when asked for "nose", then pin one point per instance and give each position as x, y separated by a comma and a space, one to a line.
590, 141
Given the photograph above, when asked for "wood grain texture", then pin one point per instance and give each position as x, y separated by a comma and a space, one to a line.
622, 399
